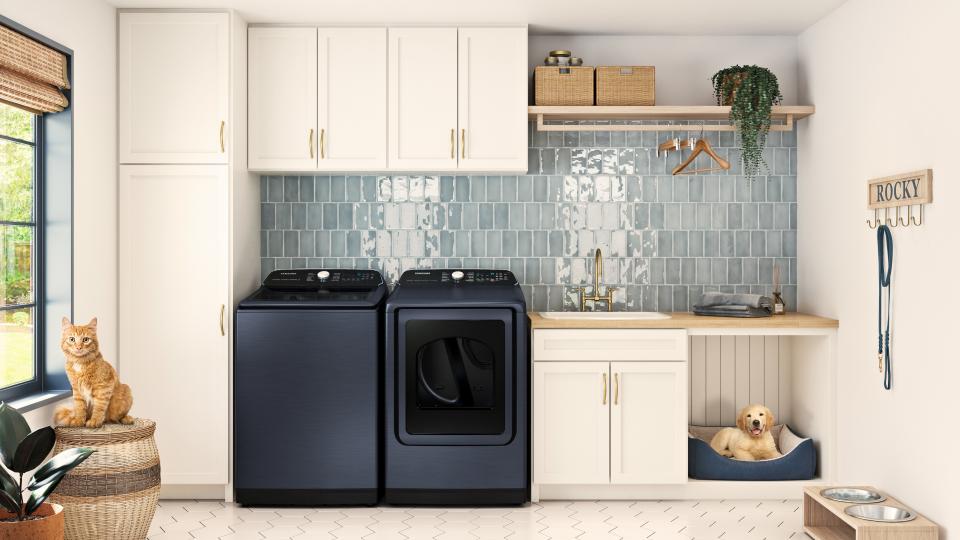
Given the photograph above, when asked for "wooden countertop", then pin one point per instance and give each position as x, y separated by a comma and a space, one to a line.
686, 319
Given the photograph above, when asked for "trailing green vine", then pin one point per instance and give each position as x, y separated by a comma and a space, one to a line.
751, 91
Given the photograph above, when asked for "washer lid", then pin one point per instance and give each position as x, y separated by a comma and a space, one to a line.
319, 288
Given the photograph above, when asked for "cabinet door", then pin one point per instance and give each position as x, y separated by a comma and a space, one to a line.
352, 99
173, 84
571, 423
493, 99
282, 97
174, 311
422, 85
648, 423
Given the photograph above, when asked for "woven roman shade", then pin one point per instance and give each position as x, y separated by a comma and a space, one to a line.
31, 74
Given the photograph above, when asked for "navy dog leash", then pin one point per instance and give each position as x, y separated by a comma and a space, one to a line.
885, 269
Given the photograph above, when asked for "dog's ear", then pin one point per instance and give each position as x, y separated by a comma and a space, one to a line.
742, 419
771, 419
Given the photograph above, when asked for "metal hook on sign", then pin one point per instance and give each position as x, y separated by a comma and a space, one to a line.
873, 224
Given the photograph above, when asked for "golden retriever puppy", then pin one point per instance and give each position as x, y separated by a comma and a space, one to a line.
751, 439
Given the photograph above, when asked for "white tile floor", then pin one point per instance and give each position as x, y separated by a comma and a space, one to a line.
557, 520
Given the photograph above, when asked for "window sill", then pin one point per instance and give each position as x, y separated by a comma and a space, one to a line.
38, 400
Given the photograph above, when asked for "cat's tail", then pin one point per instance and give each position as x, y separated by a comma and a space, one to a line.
62, 415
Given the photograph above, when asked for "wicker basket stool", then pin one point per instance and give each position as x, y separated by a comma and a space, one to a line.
113, 494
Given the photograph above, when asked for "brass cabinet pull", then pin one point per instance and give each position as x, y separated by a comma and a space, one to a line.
604, 402
223, 308
616, 388
223, 124
310, 142
463, 144
322, 141
453, 138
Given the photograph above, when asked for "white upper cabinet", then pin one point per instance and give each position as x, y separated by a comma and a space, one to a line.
352, 98
283, 132
492, 98
422, 85
173, 87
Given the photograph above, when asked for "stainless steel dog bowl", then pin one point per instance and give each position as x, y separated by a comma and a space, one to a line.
853, 495
880, 512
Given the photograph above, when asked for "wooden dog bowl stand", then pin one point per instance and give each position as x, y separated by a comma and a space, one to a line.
824, 519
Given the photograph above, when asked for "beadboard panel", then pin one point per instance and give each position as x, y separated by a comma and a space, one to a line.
665, 239
729, 372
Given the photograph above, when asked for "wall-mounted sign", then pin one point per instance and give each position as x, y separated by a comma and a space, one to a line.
901, 189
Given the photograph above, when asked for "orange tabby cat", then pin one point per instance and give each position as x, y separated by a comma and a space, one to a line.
98, 395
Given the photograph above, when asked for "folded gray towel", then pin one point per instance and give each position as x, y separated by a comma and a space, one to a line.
732, 311
713, 299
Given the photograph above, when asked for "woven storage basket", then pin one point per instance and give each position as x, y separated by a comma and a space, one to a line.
626, 85
113, 494
563, 86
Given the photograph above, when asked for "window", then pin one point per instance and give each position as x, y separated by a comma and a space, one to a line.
19, 248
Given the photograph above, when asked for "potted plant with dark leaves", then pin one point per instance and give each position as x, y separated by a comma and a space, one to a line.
23, 513
750, 92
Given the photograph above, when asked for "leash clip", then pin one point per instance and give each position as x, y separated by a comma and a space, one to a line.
880, 362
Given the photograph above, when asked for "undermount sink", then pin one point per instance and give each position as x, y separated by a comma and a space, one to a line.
604, 315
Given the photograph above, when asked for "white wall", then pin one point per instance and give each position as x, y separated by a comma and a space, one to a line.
89, 28
882, 76
684, 63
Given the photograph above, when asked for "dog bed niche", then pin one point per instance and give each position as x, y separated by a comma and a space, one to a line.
798, 462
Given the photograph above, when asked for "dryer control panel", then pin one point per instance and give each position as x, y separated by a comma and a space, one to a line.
318, 278
453, 277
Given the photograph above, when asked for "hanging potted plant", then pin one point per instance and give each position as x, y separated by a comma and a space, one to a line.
23, 513
750, 92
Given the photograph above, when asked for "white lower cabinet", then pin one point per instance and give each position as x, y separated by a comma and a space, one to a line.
648, 423
175, 312
571, 428
618, 415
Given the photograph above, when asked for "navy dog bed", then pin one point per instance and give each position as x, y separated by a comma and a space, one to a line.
798, 462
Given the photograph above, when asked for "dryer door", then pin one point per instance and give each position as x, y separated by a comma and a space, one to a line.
455, 376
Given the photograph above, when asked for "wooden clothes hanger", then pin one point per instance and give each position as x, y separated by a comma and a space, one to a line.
702, 146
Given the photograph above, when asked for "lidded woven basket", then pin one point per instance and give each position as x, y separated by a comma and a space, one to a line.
113, 494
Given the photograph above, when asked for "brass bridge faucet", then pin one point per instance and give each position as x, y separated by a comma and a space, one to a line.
597, 278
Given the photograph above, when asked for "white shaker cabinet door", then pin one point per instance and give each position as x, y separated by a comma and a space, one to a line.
352, 99
282, 96
174, 312
173, 87
493, 99
648, 423
571, 423
422, 88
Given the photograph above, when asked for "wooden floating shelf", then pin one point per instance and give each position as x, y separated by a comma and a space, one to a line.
783, 117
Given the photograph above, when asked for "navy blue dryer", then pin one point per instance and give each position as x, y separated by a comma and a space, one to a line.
457, 400
307, 389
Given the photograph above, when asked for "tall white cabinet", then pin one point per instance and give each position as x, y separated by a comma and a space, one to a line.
394, 99
188, 229
174, 311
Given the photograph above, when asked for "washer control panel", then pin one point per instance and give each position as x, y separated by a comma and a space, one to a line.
317, 278
458, 277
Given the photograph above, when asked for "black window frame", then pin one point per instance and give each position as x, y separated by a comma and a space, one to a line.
52, 265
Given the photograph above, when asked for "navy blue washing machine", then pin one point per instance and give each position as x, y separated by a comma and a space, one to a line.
457, 389
307, 386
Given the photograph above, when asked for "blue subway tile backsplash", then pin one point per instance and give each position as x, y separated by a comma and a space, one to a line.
665, 239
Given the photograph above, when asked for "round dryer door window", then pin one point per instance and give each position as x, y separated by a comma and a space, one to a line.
455, 372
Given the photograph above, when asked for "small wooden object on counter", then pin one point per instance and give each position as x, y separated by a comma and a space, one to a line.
571, 85
686, 319
824, 519
113, 494
626, 85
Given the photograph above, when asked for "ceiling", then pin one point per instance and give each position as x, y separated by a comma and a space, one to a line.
690, 17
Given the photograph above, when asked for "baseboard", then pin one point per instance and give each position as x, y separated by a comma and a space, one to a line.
193, 491
693, 489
